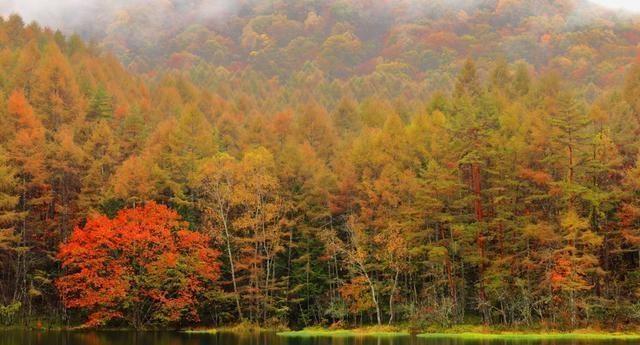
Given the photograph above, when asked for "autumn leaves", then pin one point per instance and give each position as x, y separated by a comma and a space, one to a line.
143, 266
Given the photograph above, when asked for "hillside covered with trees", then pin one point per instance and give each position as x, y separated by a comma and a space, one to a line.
323, 163
367, 48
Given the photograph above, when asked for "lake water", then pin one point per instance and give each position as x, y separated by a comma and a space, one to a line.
174, 338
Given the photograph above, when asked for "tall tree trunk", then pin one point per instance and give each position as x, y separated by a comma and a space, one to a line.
476, 184
231, 264
374, 296
393, 292
20, 292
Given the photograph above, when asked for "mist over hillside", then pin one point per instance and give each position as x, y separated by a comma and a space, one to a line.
426, 41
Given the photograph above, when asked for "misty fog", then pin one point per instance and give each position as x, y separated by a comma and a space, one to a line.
90, 16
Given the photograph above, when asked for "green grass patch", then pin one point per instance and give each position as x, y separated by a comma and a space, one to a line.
533, 336
201, 331
377, 331
248, 327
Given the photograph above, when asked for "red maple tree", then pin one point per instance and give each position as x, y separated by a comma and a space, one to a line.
142, 267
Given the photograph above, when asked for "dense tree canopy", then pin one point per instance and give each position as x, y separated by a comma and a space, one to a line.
298, 165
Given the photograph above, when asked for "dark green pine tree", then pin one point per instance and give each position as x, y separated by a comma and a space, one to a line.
570, 123
521, 80
468, 83
9, 199
9, 239
101, 106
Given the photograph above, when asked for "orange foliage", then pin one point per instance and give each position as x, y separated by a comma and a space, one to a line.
142, 257
356, 294
538, 177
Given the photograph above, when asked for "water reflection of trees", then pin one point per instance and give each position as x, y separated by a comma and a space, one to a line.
249, 338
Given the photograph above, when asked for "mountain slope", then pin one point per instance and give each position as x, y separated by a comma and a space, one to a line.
426, 40
348, 158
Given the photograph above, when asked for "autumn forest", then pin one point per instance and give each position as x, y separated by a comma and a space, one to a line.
337, 163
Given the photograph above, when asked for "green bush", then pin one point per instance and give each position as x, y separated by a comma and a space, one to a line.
9, 312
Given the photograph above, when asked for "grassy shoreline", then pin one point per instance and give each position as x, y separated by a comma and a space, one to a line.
377, 331
464, 332
533, 336
200, 331
340, 333
467, 333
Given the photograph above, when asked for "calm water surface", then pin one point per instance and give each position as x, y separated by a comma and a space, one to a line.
173, 338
